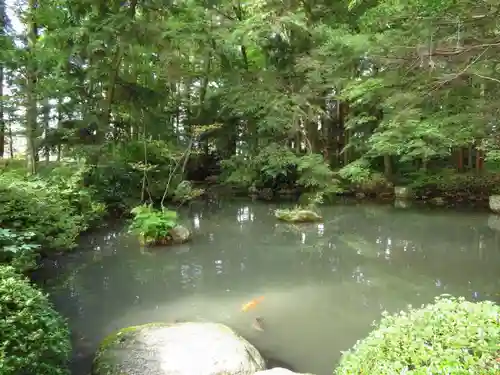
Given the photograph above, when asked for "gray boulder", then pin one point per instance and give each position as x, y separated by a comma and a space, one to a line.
177, 349
180, 235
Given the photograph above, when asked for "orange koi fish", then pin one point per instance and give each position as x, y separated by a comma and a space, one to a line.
251, 305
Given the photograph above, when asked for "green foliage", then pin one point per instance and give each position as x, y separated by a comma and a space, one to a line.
450, 336
186, 192
448, 183
18, 249
277, 166
284, 94
152, 225
118, 179
37, 206
361, 176
358, 171
34, 338
46, 211
69, 180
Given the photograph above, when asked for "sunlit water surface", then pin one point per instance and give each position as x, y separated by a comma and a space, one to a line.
323, 284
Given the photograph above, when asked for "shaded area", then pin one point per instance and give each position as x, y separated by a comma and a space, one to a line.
323, 284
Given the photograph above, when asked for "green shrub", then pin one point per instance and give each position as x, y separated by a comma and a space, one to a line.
34, 339
18, 249
450, 183
68, 179
38, 206
360, 177
152, 226
450, 336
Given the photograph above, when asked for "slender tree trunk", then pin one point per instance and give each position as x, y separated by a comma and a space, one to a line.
31, 80
59, 122
387, 166
46, 120
11, 141
2, 115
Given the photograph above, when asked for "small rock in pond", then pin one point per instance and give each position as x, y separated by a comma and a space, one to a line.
279, 371
298, 215
258, 324
180, 235
177, 349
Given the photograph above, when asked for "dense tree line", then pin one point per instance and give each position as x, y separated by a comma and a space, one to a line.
264, 93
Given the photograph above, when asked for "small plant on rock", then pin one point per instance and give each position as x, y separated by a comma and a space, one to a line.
298, 215
302, 214
450, 336
153, 226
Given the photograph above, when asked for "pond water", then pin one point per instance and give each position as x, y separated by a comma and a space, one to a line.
323, 285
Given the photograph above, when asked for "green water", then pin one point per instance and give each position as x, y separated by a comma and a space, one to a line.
323, 285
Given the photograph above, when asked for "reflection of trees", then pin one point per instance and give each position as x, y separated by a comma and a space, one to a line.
448, 248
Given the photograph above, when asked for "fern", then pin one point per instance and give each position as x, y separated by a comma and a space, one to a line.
152, 224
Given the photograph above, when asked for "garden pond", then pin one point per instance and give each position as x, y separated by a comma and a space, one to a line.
323, 284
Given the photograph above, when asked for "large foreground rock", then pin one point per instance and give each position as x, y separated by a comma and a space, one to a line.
177, 349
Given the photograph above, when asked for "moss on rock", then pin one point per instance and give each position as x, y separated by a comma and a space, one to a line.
298, 215
178, 348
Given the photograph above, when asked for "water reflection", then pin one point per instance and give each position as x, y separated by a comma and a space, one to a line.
324, 283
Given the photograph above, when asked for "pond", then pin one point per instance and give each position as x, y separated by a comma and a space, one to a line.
323, 284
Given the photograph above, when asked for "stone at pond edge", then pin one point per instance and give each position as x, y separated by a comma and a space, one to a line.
403, 192
494, 202
438, 201
279, 371
298, 216
177, 349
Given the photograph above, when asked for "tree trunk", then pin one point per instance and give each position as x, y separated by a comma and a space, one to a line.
2, 115
46, 120
387, 166
31, 100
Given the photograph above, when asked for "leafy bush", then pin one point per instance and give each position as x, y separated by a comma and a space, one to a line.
56, 205
450, 336
118, 180
68, 179
277, 167
360, 176
151, 225
18, 249
185, 192
38, 206
448, 182
34, 339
